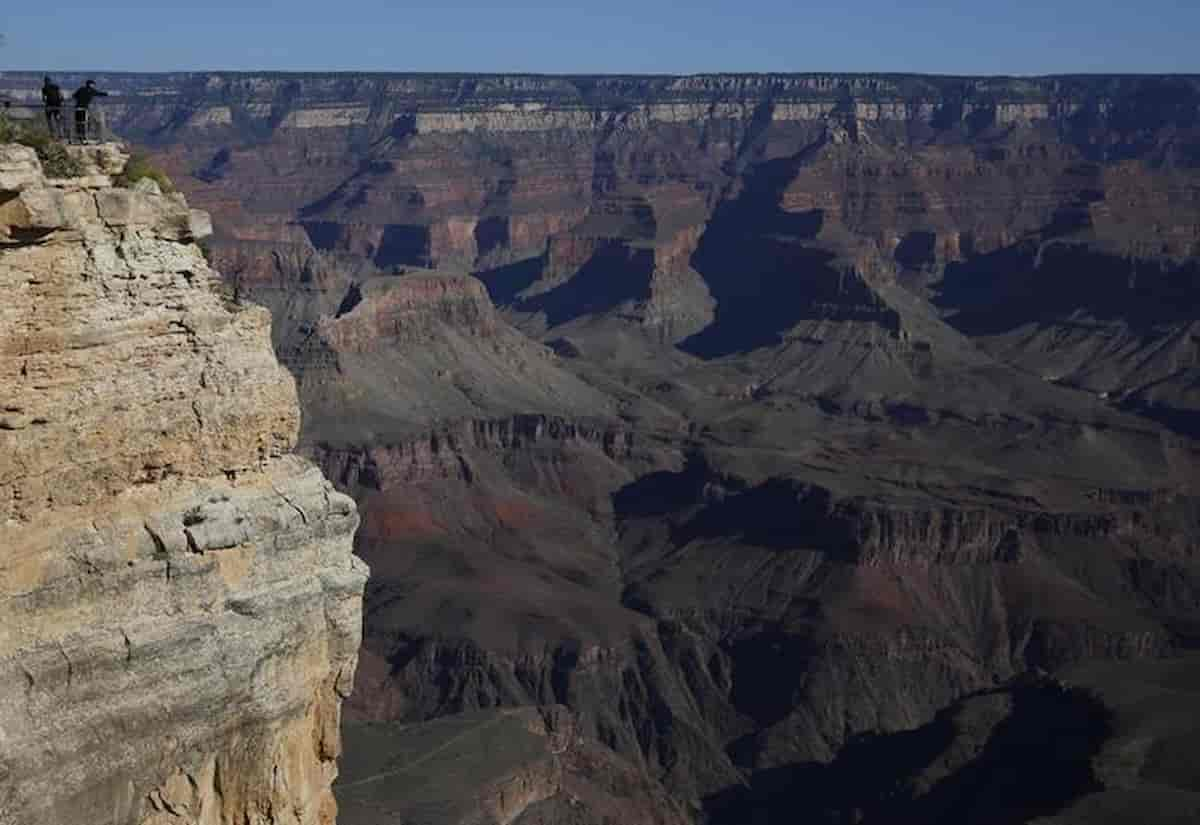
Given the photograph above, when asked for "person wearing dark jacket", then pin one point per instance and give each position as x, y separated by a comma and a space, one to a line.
84, 96
52, 98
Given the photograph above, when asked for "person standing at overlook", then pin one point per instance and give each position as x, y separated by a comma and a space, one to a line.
52, 99
83, 97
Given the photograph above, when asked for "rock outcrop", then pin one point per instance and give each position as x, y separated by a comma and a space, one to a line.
180, 612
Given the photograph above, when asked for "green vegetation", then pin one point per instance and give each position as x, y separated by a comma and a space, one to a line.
56, 160
140, 166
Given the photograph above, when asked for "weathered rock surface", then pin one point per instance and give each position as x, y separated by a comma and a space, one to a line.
180, 613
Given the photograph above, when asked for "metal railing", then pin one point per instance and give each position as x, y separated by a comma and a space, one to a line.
65, 123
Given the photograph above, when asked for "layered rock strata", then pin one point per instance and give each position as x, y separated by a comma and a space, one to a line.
577, 197
180, 612
858, 359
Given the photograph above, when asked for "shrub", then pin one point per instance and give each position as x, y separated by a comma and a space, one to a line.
140, 166
56, 160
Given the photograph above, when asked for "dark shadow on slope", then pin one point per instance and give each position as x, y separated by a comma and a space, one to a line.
764, 276
766, 285
917, 249
769, 671
1033, 762
869, 770
506, 283
665, 492
491, 234
615, 274
403, 127
404, 245
341, 194
1000, 291
218, 166
323, 235
778, 514
1180, 421
493, 231
604, 170
352, 299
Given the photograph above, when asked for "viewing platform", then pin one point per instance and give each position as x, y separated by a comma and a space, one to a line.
63, 124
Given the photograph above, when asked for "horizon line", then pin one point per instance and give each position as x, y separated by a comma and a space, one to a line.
617, 75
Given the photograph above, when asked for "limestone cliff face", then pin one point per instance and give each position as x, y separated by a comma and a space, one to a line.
180, 612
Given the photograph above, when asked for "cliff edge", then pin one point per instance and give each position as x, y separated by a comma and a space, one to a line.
180, 611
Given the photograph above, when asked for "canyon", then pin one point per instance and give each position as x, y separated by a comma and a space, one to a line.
804, 445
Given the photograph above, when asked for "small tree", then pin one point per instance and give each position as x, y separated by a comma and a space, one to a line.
141, 166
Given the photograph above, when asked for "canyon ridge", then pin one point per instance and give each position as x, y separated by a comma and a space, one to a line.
728, 449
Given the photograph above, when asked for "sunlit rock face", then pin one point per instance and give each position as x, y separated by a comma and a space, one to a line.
180, 612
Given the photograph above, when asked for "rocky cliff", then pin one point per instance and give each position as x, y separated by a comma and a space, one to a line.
180, 612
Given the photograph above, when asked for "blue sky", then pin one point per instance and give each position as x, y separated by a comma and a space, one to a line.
608, 36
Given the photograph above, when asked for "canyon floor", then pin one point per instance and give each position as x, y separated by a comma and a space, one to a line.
737, 449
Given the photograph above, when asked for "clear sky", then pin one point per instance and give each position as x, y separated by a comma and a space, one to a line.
606, 36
